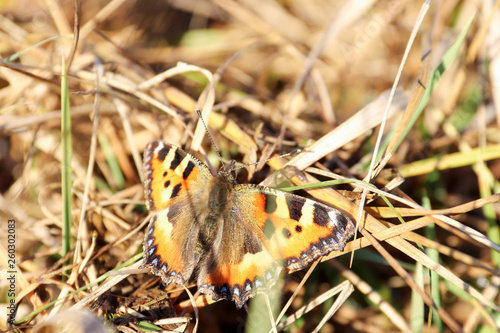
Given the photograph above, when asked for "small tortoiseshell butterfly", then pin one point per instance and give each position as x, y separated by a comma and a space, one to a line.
231, 239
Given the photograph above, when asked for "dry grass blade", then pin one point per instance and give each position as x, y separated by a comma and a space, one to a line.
344, 294
451, 323
372, 170
373, 295
416, 28
82, 231
415, 99
363, 121
110, 282
345, 289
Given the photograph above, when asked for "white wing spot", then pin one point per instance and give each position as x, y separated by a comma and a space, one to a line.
159, 147
333, 216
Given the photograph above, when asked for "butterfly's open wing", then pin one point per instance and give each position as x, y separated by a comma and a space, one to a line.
237, 266
174, 186
297, 229
170, 173
163, 250
267, 229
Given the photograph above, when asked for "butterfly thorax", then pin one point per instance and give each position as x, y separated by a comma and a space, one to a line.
219, 196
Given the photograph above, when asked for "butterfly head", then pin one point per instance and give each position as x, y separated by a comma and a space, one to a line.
228, 172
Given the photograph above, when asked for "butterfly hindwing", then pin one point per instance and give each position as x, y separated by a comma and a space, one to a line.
161, 252
254, 273
238, 266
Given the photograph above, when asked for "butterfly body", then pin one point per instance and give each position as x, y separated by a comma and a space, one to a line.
231, 239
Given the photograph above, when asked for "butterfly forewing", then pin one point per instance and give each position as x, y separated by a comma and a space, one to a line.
295, 229
171, 173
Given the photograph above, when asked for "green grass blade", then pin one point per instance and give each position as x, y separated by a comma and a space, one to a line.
430, 232
487, 186
16, 55
417, 302
448, 58
66, 170
112, 161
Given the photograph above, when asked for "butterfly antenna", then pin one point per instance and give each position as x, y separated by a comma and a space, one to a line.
212, 140
293, 152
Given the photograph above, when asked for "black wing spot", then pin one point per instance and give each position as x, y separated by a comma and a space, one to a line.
167, 184
298, 228
320, 214
176, 190
295, 205
176, 161
165, 173
187, 171
163, 153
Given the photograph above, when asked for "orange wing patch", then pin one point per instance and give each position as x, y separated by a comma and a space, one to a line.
238, 282
161, 253
169, 172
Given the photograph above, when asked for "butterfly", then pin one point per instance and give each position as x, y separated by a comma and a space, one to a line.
232, 240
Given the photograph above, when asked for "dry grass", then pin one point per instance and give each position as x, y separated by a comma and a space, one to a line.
269, 77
